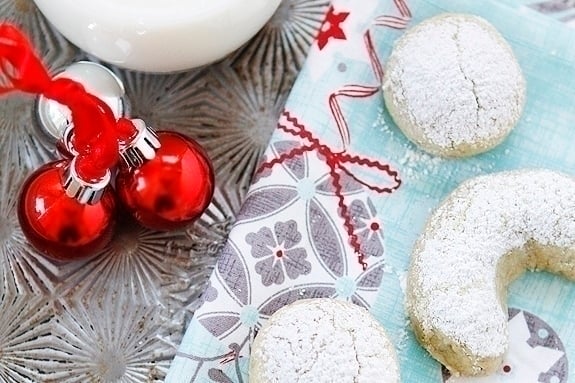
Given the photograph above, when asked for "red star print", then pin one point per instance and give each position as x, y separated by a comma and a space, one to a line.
330, 28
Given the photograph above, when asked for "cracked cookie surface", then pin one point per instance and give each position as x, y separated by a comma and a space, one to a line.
323, 340
454, 86
485, 234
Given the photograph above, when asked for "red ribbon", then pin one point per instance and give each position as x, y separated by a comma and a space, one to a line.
95, 127
336, 161
396, 22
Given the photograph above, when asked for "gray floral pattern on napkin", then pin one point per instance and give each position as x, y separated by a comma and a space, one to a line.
290, 242
278, 253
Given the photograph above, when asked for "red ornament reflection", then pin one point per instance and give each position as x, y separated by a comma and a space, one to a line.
58, 226
171, 190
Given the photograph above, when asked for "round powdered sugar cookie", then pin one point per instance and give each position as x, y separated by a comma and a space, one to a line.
453, 85
486, 233
323, 340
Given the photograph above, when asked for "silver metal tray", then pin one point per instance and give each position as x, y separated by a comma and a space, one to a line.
120, 315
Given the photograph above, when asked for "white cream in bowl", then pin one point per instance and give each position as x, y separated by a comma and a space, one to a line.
158, 35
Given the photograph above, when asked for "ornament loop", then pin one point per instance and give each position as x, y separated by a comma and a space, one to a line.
66, 144
22, 70
143, 146
81, 190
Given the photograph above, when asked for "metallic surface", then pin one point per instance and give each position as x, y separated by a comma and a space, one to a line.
142, 148
54, 118
83, 191
120, 315
172, 189
59, 227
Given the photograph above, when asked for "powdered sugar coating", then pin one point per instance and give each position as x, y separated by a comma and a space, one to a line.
323, 340
486, 233
453, 85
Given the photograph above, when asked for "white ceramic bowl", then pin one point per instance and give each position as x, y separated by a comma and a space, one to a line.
98, 80
158, 35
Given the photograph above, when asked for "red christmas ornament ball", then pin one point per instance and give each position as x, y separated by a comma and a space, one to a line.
171, 190
58, 226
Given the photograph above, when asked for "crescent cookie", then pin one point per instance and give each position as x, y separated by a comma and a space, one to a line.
323, 340
453, 85
486, 233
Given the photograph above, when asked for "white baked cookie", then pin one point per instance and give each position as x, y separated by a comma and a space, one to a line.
323, 341
453, 85
483, 236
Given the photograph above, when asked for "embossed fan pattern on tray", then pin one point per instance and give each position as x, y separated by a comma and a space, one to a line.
120, 315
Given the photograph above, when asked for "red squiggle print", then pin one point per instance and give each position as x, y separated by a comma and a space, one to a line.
373, 57
336, 161
396, 22
403, 8
353, 91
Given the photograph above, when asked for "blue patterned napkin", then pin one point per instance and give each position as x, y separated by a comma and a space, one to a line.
339, 178
562, 10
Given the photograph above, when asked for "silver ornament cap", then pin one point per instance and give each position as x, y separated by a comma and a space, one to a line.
55, 118
142, 148
83, 191
67, 141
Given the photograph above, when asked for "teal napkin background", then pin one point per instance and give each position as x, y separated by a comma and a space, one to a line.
562, 10
545, 137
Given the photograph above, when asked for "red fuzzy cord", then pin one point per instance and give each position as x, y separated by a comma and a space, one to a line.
95, 135
126, 130
335, 162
